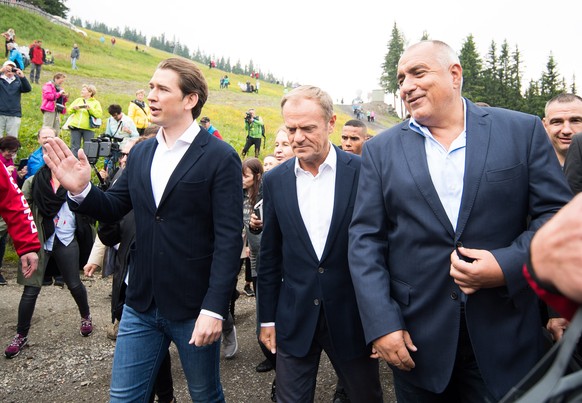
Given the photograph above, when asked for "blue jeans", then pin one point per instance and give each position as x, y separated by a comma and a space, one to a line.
142, 343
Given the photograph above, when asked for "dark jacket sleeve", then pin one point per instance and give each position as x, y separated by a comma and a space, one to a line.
573, 164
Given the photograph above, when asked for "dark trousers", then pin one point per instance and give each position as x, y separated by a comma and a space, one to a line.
296, 376
35, 72
466, 384
67, 258
164, 386
2, 248
252, 141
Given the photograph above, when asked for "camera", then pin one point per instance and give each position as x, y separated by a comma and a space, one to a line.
102, 146
249, 117
14, 69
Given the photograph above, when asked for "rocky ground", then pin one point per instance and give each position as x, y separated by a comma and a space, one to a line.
61, 366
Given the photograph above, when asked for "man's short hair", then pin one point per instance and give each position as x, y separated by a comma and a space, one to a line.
563, 98
191, 80
151, 130
45, 128
205, 119
358, 123
114, 109
314, 93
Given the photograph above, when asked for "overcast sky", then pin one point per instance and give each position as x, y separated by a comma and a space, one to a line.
340, 45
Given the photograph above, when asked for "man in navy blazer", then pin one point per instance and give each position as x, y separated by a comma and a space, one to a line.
307, 302
447, 204
185, 189
573, 164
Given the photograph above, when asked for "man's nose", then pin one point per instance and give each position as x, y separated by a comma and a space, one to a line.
407, 85
567, 129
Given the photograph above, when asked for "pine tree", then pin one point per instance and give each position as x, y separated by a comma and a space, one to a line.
472, 66
491, 84
550, 82
388, 79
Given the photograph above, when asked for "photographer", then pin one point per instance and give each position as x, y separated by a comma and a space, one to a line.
255, 129
119, 125
13, 83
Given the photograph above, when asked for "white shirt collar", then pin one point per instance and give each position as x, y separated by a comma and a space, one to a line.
7, 79
187, 137
330, 161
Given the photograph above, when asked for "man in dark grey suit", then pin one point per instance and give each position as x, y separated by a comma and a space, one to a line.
573, 164
185, 189
447, 204
307, 302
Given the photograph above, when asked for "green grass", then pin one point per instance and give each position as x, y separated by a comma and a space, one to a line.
118, 71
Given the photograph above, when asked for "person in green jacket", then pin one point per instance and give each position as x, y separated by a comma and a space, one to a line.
78, 122
254, 127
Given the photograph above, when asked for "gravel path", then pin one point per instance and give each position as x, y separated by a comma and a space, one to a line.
61, 366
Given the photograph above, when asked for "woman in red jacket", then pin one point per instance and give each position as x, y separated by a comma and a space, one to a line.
15, 211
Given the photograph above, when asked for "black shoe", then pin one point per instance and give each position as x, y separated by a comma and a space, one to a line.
340, 396
264, 366
2, 280
47, 281
274, 390
249, 291
59, 282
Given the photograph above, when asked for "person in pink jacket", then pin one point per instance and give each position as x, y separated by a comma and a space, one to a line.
53, 103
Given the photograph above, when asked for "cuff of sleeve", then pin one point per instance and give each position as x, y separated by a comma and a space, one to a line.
268, 324
211, 314
81, 196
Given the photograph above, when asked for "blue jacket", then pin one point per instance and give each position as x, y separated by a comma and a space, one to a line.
295, 285
10, 95
401, 241
187, 248
16, 57
35, 162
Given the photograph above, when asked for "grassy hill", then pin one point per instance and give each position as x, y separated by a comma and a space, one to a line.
119, 70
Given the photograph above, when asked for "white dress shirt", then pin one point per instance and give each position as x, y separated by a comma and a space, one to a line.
166, 159
446, 167
316, 195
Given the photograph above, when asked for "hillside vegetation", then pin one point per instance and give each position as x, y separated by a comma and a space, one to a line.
119, 70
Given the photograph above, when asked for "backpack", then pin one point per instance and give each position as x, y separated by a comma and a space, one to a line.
262, 128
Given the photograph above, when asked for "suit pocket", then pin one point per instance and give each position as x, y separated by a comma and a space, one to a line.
505, 174
192, 185
400, 291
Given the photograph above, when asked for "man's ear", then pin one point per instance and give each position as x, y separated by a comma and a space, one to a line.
191, 100
332, 124
457, 73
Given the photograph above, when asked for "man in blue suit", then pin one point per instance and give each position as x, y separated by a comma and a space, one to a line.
447, 204
185, 189
307, 302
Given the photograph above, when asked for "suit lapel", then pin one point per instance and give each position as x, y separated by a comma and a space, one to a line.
478, 135
145, 174
194, 152
344, 184
415, 154
289, 192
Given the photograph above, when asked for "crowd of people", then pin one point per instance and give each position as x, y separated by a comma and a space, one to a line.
412, 246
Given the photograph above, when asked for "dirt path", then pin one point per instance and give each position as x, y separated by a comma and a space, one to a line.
61, 366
